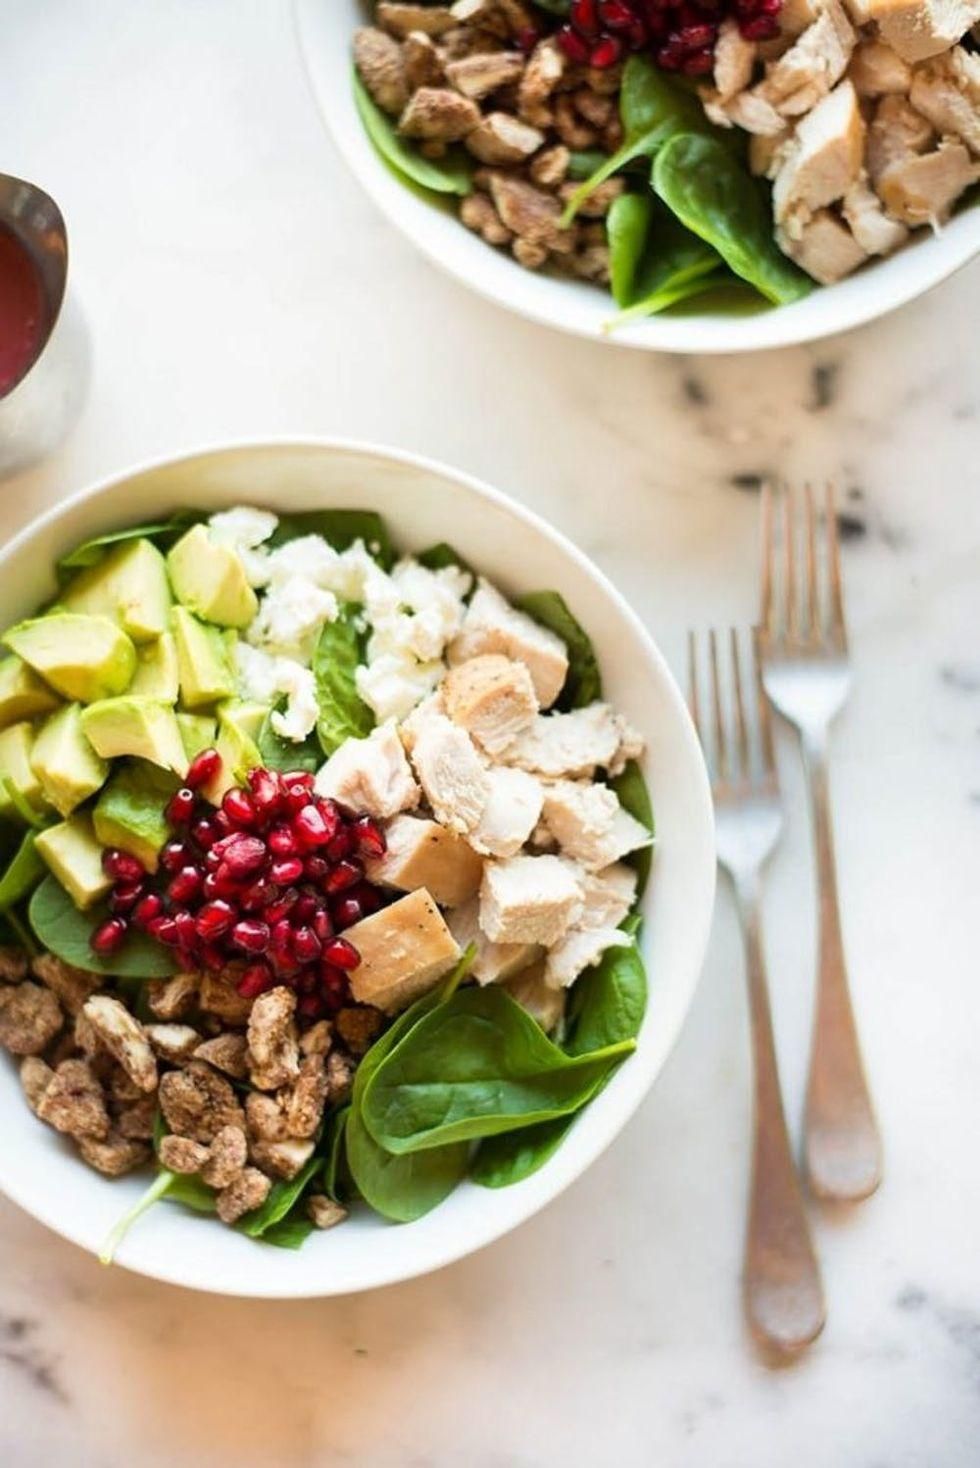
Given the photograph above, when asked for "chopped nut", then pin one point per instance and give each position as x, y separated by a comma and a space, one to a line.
595, 109
282, 1159
359, 1026
115, 1156
304, 1103
13, 965
440, 114
173, 1042
573, 132
475, 16
136, 1119
423, 66
173, 998
529, 213
502, 139
400, 20
532, 257
73, 1102
273, 1044
477, 213
121, 1087
86, 1037
550, 167
72, 985
35, 1077
248, 1192
197, 1103
607, 83
323, 1211
597, 205
379, 61
477, 76
181, 1154
227, 1156
317, 1039
544, 70
592, 263
340, 1077
265, 1116
30, 1017
124, 1037
226, 1052
220, 997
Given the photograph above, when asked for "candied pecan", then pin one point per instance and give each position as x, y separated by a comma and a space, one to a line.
503, 140
340, 1077
30, 1017
197, 1103
423, 65
73, 1102
120, 1085
595, 109
529, 213
13, 965
174, 998
282, 1159
359, 1026
248, 1192
544, 70
265, 1116
226, 1157
181, 1154
323, 1212
317, 1039
218, 996
124, 1037
136, 1119
379, 61
273, 1043
573, 131
592, 263
597, 205
173, 1042
228, 1052
115, 1155
35, 1077
532, 257
400, 20
478, 214
480, 17
477, 76
439, 114
72, 985
550, 167
305, 1101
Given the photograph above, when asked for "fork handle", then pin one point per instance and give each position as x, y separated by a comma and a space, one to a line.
842, 1143
783, 1293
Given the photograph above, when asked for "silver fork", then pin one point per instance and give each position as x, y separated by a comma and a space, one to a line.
783, 1293
806, 673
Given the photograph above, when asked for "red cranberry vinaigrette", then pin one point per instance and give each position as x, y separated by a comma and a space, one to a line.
22, 313
679, 34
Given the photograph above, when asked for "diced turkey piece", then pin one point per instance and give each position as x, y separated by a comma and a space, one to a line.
438, 115
405, 949
897, 132
824, 159
542, 1001
608, 896
876, 70
501, 140
748, 110
477, 76
494, 962
529, 899
580, 949
868, 222
372, 776
511, 813
410, 728
493, 698
492, 625
421, 853
590, 825
924, 188
813, 65
823, 246
947, 92
572, 745
796, 15
379, 61
452, 774
401, 20
766, 154
734, 60
918, 29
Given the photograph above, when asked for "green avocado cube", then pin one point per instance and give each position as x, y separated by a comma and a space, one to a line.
204, 661
145, 728
210, 580
73, 854
23, 695
129, 585
20, 788
246, 714
198, 732
64, 761
157, 673
239, 754
130, 812
83, 657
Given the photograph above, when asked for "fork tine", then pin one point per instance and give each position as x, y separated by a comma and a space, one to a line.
721, 743
814, 624
765, 714
790, 590
741, 731
693, 701
767, 612
838, 626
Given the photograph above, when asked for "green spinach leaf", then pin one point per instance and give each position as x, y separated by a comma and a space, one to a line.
583, 162
343, 714
631, 788
285, 754
334, 1148
583, 684
713, 194
22, 875
60, 927
283, 1196
437, 557
27, 812
450, 175
627, 231
610, 1000
159, 1188
292, 1233
513, 1156
161, 532
339, 528
672, 265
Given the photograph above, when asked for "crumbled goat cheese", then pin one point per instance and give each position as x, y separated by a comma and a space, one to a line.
393, 685
290, 618
266, 679
243, 530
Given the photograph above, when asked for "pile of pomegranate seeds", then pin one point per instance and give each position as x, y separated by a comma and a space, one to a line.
679, 34
271, 880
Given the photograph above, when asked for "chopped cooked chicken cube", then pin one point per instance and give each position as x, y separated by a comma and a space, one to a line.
405, 949
796, 15
918, 29
529, 899
869, 224
947, 92
734, 60
813, 65
421, 853
590, 825
823, 161
370, 776
452, 773
897, 132
124, 1037
410, 728
543, 1001
493, 698
823, 246
922, 189
580, 949
609, 895
766, 154
570, 745
494, 962
511, 813
747, 110
876, 70
492, 625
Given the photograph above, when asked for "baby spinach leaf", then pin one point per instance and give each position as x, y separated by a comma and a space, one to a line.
282, 1197
339, 528
28, 814
23, 873
60, 927
475, 1066
554, 7
450, 175
583, 683
712, 193
334, 1147
583, 162
672, 265
513, 1156
634, 797
437, 557
627, 231
191, 1193
161, 532
158, 1189
343, 714
285, 754
19, 932
610, 1001
292, 1233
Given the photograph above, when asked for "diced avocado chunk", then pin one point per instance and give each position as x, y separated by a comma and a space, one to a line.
64, 761
129, 585
145, 728
157, 674
16, 746
73, 854
247, 715
23, 695
239, 754
83, 657
204, 660
130, 812
210, 580
198, 732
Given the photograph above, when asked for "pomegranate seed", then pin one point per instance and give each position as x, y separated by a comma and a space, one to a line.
186, 929
175, 854
584, 16
164, 930
147, 909
203, 768
283, 965
239, 807
185, 886
699, 64
287, 869
282, 841
527, 39
251, 935
180, 807
244, 856
322, 926
342, 954
315, 868
369, 837
309, 827
695, 37
282, 936
616, 15
761, 28
110, 937
225, 881
306, 982
121, 866
307, 904
306, 945
369, 897
254, 981
266, 791
281, 906
213, 958
346, 874
333, 979
205, 833
256, 897
211, 887
340, 845
606, 53
214, 919
297, 789
124, 896
346, 912
309, 1006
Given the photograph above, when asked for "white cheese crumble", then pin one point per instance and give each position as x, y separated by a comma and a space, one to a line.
267, 679
290, 618
243, 530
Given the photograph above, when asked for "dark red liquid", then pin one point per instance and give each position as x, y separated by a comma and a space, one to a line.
21, 310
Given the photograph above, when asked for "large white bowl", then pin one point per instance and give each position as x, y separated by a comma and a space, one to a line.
325, 28
423, 503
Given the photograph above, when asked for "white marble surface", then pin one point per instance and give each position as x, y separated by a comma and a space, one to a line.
237, 284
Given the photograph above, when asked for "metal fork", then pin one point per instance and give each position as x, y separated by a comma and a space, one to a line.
807, 676
783, 1293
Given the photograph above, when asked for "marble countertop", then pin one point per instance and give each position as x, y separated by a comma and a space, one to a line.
237, 284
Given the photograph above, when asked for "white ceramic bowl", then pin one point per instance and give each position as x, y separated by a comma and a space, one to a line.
423, 503
325, 28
